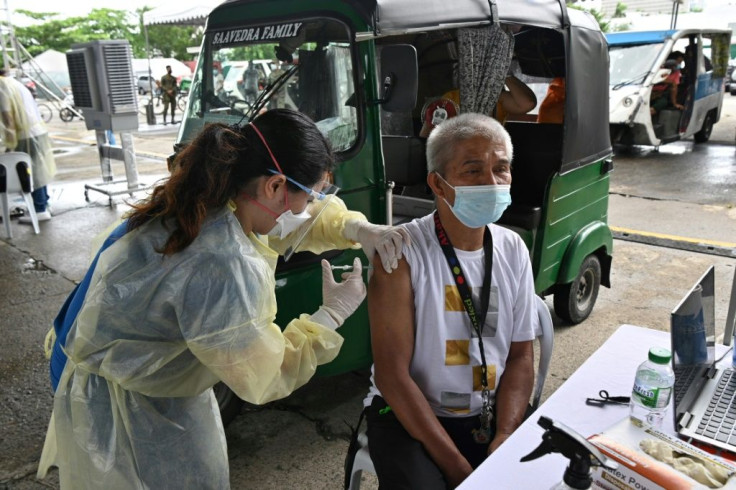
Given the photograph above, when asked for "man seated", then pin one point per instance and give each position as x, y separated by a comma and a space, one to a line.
443, 395
664, 94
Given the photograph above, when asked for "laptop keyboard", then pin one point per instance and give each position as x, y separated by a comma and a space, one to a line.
684, 376
719, 419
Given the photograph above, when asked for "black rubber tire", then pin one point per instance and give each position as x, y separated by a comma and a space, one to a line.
229, 403
574, 302
704, 134
66, 114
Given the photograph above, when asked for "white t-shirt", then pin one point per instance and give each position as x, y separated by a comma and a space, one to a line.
446, 360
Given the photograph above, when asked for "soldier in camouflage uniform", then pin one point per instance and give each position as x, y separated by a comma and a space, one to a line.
168, 93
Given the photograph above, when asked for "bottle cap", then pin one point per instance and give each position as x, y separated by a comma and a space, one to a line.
659, 355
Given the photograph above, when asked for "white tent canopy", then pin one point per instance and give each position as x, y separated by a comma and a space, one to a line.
183, 12
158, 67
50, 70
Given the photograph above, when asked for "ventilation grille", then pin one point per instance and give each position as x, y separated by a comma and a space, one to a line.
119, 74
79, 80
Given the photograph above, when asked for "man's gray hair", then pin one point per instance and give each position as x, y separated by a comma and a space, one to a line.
443, 139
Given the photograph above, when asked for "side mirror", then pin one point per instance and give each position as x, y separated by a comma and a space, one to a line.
661, 75
399, 72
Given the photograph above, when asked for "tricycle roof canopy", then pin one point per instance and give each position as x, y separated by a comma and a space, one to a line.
654, 37
394, 16
402, 15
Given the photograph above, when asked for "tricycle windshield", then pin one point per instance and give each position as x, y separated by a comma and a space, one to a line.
303, 65
630, 64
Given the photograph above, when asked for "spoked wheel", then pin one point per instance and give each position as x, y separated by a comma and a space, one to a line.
66, 114
46, 112
181, 102
574, 302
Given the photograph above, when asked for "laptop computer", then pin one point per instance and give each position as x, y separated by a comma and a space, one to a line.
705, 393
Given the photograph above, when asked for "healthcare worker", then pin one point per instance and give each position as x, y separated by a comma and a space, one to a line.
22, 129
185, 298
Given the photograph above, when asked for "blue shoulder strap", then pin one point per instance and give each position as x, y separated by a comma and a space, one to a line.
68, 313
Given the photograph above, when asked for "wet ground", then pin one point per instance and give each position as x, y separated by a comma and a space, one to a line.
681, 195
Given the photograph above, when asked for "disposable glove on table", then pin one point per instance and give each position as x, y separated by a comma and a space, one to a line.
702, 471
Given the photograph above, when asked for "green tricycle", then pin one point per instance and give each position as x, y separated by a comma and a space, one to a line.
364, 70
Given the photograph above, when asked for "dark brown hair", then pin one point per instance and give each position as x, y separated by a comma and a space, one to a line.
221, 161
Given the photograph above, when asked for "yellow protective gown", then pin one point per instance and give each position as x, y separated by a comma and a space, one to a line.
21, 129
134, 408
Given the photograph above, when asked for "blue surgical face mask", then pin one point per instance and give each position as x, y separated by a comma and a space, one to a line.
478, 205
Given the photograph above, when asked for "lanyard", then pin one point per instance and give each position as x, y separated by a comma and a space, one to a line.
464, 290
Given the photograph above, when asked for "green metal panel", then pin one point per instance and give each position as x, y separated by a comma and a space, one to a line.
595, 236
575, 201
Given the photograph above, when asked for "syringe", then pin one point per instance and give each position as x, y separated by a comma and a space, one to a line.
347, 267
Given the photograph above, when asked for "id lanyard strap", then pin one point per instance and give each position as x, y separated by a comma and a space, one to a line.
464, 290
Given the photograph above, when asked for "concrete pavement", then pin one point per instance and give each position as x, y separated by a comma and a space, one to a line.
300, 442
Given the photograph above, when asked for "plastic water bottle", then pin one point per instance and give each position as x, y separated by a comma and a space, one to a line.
653, 387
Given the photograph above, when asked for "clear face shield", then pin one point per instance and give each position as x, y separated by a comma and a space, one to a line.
320, 197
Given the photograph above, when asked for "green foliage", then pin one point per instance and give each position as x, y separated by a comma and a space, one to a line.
172, 41
253, 52
604, 25
620, 10
60, 34
51, 32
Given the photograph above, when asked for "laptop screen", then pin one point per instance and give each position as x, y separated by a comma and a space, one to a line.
692, 328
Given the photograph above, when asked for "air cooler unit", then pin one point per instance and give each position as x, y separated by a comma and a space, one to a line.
101, 75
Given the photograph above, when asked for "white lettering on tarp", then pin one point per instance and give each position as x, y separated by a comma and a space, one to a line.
276, 31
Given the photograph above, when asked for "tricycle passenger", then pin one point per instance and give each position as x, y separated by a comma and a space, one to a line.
664, 94
452, 327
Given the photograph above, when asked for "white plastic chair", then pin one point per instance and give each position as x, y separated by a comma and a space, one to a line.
546, 343
14, 164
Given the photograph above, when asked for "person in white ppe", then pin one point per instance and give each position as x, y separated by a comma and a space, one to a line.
185, 299
22, 129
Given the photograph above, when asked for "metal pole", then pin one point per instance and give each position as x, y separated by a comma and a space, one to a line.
150, 115
675, 11
131, 171
105, 165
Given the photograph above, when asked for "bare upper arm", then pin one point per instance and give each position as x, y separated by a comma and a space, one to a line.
391, 312
520, 351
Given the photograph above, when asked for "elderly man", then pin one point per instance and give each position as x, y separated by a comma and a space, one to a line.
452, 327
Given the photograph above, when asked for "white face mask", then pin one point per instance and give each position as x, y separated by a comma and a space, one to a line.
288, 222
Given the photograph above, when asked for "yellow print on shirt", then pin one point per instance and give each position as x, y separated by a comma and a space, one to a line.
491, 377
453, 302
457, 353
